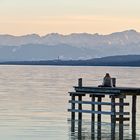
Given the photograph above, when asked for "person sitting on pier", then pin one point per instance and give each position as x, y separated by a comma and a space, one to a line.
107, 82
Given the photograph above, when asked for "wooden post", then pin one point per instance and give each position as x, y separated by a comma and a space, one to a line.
80, 82
134, 97
113, 82
79, 115
92, 117
113, 118
99, 119
73, 114
80, 108
121, 110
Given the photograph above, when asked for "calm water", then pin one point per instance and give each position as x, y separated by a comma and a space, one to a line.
34, 100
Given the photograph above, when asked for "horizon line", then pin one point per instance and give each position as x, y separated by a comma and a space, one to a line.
21, 35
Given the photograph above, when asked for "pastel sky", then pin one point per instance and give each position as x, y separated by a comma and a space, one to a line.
20, 17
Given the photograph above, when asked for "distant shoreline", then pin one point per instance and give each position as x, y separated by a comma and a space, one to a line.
25, 64
122, 60
43, 63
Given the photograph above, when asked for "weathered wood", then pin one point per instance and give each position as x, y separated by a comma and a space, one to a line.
121, 108
118, 96
113, 82
109, 90
90, 94
99, 92
113, 118
99, 112
80, 108
99, 119
124, 119
79, 130
92, 118
97, 95
134, 99
105, 90
73, 115
79, 117
98, 103
80, 82
77, 93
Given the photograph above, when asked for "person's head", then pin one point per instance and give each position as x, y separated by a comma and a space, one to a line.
107, 75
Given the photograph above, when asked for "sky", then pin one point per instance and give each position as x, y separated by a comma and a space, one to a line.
19, 17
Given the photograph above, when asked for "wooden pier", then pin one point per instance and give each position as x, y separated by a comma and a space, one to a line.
96, 94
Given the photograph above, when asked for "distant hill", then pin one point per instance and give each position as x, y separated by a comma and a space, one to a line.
68, 47
121, 60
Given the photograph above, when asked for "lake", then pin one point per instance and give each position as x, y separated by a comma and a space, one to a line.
34, 100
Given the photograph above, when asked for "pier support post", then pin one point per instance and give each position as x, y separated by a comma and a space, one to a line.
121, 110
80, 108
80, 99
113, 118
134, 97
80, 84
93, 118
99, 119
73, 114
79, 115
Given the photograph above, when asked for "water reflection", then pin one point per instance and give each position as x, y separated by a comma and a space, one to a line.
83, 131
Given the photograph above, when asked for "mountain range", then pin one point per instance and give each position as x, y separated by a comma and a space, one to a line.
74, 46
